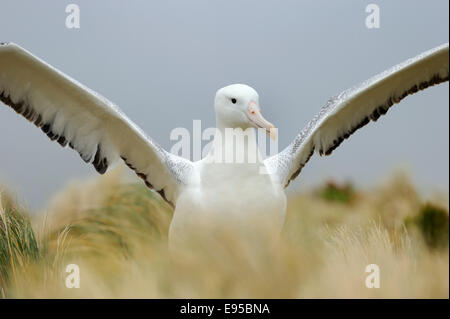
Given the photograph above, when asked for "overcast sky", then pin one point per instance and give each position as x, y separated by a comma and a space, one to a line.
162, 62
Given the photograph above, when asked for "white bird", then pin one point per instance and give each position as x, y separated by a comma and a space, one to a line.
74, 115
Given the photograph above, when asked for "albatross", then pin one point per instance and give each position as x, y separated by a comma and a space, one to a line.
76, 116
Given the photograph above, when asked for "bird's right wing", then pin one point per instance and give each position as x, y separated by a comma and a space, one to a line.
74, 115
356, 107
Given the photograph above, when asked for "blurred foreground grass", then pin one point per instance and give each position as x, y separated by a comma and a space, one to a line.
117, 234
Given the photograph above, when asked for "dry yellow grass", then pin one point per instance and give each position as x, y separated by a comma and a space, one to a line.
117, 234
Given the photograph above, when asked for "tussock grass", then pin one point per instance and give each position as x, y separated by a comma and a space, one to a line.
18, 244
117, 233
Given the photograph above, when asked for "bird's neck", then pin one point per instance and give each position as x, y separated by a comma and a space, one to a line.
232, 145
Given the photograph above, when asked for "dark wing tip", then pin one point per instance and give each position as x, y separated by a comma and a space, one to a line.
143, 176
100, 162
382, 109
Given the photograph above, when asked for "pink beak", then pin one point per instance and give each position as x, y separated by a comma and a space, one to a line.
257, 120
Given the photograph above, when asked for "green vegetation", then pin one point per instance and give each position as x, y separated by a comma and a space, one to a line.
18, 244
336, 193
433, 222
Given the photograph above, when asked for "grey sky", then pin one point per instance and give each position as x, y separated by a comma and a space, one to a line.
162, 62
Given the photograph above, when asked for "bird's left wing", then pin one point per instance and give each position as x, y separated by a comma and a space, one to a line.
357, 106
74, 115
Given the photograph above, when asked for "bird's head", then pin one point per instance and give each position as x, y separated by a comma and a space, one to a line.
237, 106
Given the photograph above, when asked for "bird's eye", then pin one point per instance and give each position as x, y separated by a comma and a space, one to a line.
233, 100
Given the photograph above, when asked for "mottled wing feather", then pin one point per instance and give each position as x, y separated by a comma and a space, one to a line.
74, 115
345, 113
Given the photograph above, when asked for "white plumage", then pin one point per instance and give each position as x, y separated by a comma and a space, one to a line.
233, 193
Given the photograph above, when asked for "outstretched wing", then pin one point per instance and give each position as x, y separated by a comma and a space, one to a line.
357, 106
74, 115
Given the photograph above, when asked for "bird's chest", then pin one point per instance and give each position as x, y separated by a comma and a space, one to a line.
237, 189
232, 195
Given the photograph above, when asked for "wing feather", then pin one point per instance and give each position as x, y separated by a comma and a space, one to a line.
352, 109
74, 115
